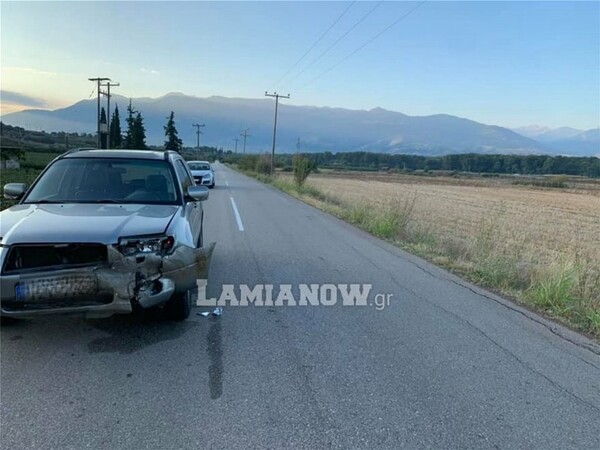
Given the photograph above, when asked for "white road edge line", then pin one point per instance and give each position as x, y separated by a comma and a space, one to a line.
238, 218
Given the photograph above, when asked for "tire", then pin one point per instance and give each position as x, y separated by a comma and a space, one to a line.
211, 186
8, 321
179, 307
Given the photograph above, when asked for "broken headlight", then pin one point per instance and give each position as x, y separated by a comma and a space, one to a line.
145, 244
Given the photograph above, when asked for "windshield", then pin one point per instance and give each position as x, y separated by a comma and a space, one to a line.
105, 180
199, 166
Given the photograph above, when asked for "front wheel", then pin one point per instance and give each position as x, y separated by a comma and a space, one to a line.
179, 307
7, 321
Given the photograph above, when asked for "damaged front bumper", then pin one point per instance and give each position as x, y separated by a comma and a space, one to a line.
117, 287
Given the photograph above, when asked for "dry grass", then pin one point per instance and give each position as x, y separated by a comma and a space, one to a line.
541, 246
546, 223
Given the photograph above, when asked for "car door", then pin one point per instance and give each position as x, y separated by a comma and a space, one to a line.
193, 209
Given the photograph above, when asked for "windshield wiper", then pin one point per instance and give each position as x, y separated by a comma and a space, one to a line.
42, 202
72, 201
106, 200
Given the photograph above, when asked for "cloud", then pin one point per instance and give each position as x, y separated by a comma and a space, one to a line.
15, 98
150, 71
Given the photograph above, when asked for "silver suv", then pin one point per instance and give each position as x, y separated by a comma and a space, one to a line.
103, 232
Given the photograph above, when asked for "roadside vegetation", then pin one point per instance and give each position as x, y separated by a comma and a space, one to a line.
32, 164
481, 165
535, 243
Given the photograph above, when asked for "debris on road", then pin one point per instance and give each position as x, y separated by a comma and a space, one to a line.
218, 311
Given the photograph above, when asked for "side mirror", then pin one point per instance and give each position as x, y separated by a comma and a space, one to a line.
14, 191
198, 193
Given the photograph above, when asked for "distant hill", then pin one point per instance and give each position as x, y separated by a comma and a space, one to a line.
545, 134
565, 140
582, 144
319, 128
18, 137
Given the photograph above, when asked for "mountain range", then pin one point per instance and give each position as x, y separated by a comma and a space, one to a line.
317, 128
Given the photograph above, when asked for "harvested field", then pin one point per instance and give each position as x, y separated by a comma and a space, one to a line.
539, 245
548, 222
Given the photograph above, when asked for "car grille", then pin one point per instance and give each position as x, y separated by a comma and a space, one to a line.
22, 258
198, 180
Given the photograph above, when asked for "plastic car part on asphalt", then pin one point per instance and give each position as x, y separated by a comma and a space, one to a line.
218, 311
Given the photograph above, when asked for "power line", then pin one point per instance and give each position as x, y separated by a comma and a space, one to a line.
108, 118
314, 44
337, 41
98, 81
245, 135
365, 44
198, 133
276, 96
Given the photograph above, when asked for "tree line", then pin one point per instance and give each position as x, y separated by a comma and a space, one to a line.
135, 135
19, 137
497, 164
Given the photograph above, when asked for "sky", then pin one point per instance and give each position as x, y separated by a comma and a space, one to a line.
503, 63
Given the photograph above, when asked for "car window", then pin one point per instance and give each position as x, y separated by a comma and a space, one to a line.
60, 179
98, 180
199, 166
183, 175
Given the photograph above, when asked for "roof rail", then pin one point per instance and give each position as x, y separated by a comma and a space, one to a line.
75, 150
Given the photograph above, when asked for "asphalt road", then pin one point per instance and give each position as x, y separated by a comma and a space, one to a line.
445, 365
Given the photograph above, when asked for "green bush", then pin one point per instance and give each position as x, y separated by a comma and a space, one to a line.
557, 182
247, 163
263, 164
553, 292
302, 168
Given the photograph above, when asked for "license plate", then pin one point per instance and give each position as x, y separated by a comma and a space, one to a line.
50, 288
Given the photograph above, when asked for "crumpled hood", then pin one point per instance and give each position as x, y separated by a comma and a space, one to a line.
98, 223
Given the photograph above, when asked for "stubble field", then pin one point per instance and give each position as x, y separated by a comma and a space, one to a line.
539, 246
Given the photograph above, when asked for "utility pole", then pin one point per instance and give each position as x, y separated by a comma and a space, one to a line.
108, 118
198, 133
245, 135
98, 81
236, 141
277, 97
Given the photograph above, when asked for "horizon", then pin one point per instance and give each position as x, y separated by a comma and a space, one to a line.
525, 126
475, 60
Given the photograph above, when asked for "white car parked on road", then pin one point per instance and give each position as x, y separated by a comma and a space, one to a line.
203, 173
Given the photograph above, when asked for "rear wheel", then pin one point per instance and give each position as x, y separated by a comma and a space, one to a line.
179, 307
